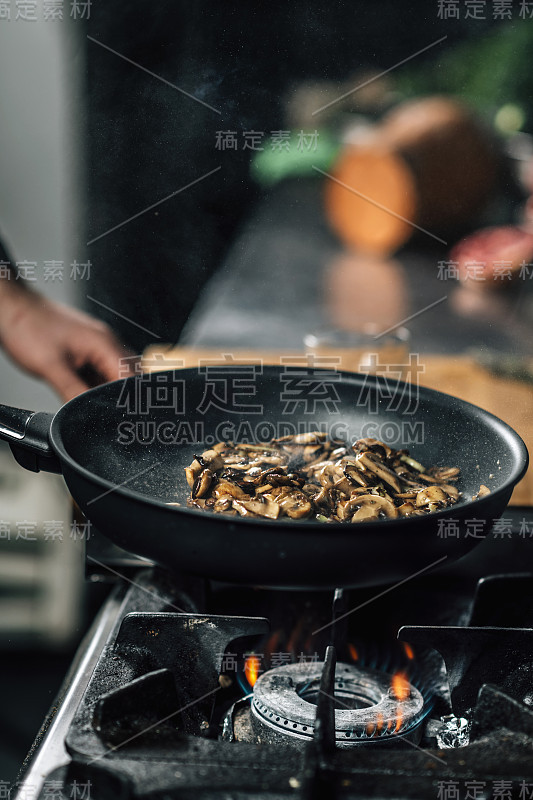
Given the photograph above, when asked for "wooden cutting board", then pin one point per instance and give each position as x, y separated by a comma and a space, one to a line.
509, 399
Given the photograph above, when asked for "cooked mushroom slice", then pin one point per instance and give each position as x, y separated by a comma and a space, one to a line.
359, 490
346, 510
278, 478
339, 452
329, 475
257, 507
385, 506
429, 495
265, 488
354, 476
213, 460
343, 485
311, 474
274, 460
241, 508
311, 451
323, 498
192, 472
196, 503
219, 447
366, 513
223, 503
316, 466
368, 462
295, 504
483, 492
445, 474
408, 510
202, 484
228, 488
309, 438
367, 443
428, 478
450, 490
412, 463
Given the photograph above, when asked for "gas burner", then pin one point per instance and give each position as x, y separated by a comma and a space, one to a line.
370, 705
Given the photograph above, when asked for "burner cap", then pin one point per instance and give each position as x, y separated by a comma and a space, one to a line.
367, 707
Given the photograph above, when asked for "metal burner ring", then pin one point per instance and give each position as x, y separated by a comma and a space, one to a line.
367, 709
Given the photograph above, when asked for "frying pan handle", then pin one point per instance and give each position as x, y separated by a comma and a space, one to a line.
28, 435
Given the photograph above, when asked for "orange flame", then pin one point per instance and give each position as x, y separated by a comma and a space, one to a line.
294, 638
272, 643
408, 650
353, 652
251, 669
400, 686
379, 724
399, 720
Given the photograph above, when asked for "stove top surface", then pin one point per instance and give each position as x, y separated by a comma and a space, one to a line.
187, 689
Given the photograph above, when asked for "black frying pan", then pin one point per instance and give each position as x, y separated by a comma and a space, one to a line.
122, 448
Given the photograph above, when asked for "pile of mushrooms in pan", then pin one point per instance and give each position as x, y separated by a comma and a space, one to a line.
311, 476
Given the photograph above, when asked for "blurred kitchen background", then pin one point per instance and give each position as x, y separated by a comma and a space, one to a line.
41, 575
88, 141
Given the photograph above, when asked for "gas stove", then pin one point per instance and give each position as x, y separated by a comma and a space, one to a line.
185, 688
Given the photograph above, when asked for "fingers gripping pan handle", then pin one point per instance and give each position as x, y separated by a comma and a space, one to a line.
28, 435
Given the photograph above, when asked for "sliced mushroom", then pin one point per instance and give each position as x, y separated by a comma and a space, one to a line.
412, 463
365, 514
451, 491
315, 466
428, 478
368, 462
445, 474
429, 495
406, 509
367, 443
329, 475
227, 488
483, 492
202, 484
309, 474
213, 460
323, 498
343, 486
294, 503
309, 438
311, 451
223, 503
374, 501
354, 476
192, 472
263, 509
221, 446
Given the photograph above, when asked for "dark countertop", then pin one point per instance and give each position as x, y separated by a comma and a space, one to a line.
287, 275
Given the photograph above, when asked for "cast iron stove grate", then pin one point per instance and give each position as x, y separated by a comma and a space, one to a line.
147, 725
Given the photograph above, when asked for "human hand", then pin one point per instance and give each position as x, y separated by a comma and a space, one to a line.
54, 342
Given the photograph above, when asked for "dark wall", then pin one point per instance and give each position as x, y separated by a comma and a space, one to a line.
146, 140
